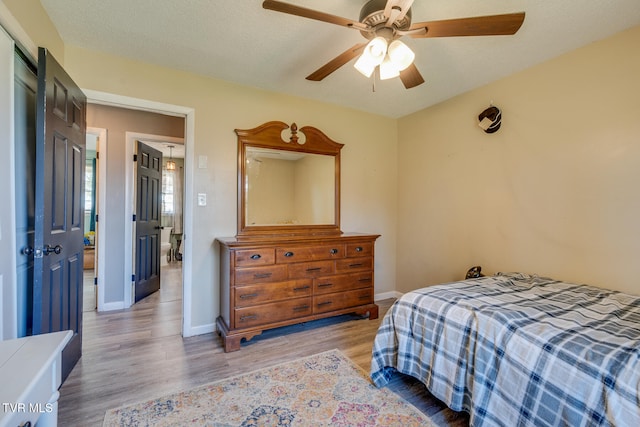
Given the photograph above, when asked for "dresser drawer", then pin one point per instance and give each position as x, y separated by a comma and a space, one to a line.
273, 273
255, 257
309, 253
354, 264
269, 292
340, 300
342, 282
271, 313
359, 250
306, 270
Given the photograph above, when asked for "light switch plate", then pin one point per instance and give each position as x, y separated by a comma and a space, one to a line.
202, 162
202, 199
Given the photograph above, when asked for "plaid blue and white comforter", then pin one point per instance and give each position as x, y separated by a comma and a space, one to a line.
517, 350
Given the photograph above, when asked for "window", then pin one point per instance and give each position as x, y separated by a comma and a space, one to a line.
167, 192
88, 187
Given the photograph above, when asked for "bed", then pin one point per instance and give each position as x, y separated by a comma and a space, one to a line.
516, 350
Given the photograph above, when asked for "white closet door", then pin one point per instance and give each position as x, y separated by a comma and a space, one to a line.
8, 302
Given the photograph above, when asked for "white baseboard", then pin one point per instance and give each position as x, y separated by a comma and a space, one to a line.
111, 306
199, 330
387, 295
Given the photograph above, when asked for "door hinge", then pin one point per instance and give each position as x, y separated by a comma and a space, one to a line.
133, 277
135, 157
96, 218
98, 155
134, 217
95, 281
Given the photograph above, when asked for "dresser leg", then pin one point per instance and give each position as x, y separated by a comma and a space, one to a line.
231, 344
373, 312
230, 339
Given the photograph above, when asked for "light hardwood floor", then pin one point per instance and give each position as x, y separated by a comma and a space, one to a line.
139, 354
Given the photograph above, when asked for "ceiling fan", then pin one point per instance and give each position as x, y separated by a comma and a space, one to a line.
383, 23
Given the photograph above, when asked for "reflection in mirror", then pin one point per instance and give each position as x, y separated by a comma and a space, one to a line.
288, 188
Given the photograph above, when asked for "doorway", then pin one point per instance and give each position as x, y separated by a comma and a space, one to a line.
157, 200
95, 203
117, 292
96, 238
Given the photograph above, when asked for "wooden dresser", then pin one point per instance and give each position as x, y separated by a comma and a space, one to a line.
270, 283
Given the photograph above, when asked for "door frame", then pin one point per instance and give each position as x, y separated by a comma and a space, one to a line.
8, 286
121, 101
101, 248
130, 207
8, 266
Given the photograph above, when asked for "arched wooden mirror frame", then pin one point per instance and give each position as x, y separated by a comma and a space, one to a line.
270, 136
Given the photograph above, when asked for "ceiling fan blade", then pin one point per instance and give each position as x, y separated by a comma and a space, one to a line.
411, 77
336, 62
292, 9
396, 9
492, 25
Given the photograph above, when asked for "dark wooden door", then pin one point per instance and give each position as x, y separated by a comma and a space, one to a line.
59, 206
148, 207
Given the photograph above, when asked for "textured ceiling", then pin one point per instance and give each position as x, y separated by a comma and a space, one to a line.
239, 41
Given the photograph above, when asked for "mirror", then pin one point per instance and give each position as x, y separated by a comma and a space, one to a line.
287, 186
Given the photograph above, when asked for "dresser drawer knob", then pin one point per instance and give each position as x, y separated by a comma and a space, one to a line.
359, 249
262, 276
325, 285
356, 265
314, 269
256, 256
246, 296
288, 254
248, 317
301, 308
365, 279
333, 251
324, 303
301, 288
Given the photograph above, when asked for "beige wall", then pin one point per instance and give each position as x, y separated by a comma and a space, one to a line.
553, 192
270, 192
315, 189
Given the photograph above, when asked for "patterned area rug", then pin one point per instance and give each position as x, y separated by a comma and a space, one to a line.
326, 389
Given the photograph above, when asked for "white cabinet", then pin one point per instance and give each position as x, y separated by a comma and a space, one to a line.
30, 374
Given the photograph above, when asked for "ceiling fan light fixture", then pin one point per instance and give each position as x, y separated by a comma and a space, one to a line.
373, 55
377, 48
365, 65
388, 69
400, 55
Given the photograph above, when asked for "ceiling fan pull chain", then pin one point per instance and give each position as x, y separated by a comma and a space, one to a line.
375, 77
